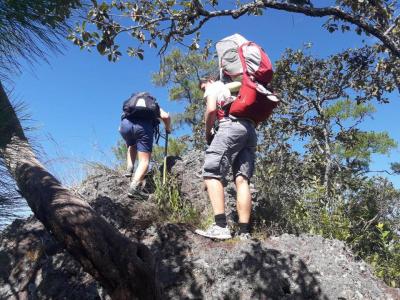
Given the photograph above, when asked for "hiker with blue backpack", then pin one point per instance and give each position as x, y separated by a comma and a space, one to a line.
244, 64
139, 125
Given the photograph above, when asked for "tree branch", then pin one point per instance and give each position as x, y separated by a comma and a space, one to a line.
306, 10
377, 171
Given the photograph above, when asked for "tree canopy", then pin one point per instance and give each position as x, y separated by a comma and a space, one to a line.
158, 23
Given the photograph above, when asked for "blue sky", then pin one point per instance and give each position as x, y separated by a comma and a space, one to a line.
76, 99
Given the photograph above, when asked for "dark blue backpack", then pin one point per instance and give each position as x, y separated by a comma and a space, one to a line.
141, 106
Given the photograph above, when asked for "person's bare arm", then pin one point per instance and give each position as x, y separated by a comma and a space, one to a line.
233, 86
209, 116
166, 119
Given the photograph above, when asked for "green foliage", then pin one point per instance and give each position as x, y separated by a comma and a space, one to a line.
365, 221
28, 26
395, 167
170, 203
364, 144
347, 109
120, 152
386, 259
180, 72
176, 147
48, 13
322, 188
327, 100
159, 23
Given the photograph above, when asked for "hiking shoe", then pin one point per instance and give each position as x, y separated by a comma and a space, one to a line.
215, 232
244, 236
129, 172
138, 195
135, 190
143, 184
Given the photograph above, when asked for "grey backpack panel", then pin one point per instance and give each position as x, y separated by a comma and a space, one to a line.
252, 58
228, 57
230, 62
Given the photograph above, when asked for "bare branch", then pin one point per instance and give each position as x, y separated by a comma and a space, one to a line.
395, 23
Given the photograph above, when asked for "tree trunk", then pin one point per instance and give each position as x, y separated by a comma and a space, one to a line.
124, 268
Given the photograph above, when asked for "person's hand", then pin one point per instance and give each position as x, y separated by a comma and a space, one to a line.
168, 130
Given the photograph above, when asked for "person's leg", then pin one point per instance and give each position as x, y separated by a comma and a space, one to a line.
219, 230
143, 165
215, 191
144, 146
127, 131
137, 183
130, 160
216, 166
243, 168
243, 199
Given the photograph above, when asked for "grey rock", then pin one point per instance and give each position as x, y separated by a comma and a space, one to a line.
34, 266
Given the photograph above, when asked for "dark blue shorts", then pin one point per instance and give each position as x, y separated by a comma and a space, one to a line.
138, 134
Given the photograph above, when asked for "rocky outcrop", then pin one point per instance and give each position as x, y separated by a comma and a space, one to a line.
285, 267
34, 266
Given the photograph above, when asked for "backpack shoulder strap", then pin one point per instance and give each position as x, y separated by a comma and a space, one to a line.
157, 132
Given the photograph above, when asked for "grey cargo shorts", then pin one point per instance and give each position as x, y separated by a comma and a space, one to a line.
233, 145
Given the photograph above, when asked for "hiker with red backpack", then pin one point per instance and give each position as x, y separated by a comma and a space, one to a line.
139, 124
234, 144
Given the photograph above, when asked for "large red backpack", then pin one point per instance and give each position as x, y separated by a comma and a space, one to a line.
241, 60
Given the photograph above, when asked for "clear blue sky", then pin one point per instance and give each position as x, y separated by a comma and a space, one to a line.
76, 99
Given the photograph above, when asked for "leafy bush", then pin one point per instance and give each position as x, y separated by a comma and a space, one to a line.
365, 219
386, 258
169, 201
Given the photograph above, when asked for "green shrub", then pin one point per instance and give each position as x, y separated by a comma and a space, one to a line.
365, 219
386, 258
171, 204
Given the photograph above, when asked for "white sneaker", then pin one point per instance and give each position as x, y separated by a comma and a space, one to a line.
215, 232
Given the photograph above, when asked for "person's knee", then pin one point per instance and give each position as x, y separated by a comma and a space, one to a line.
216, 165
144, 161
144, 158
241, 180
